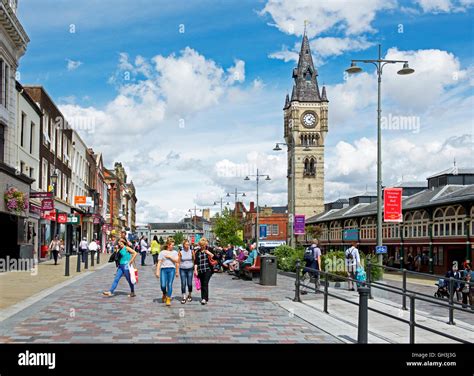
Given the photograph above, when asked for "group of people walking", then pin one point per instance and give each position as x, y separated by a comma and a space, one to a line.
186, 263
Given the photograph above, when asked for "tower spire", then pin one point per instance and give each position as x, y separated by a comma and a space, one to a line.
305, 75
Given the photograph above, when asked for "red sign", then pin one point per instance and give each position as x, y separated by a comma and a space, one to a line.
41, 194
96, 220
49, 215
62, 218
392, 203
35, 209
47, 204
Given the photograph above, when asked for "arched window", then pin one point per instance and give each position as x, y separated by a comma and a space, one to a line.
306, 167
312, 167
308, 75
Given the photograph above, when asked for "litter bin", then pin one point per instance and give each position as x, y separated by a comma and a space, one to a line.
268, 270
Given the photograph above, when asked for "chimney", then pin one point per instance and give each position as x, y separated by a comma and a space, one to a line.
252, 206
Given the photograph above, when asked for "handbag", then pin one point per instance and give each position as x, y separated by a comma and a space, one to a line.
212, 262
197, 282
133, 274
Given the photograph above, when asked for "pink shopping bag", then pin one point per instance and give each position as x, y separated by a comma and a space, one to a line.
197, 282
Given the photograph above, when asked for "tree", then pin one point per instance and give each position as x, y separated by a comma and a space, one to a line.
314, 231
178, 238
161, 241
226, 227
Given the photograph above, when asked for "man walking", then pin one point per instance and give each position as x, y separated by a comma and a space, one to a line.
83, 247
352, 263
312, 258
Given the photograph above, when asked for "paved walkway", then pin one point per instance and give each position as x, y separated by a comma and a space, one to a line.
15, 286
238, 312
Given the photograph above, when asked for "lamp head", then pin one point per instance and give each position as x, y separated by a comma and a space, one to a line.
277, 148
405, 70
354, 68
246, 178
268, 178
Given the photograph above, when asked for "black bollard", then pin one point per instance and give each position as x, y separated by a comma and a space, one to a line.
297, 282
92, 259
86, 261
78, 266
363, 327
66, 273
98, 257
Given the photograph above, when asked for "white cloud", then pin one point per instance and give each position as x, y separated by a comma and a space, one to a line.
439, 6
237, 72
73, 65
354, 17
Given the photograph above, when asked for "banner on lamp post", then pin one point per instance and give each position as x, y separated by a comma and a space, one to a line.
392, 205
299, 224
47, 204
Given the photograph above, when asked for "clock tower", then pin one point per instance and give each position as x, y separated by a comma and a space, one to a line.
306, 126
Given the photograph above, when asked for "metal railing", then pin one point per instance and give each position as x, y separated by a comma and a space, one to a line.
424, 297
364, 293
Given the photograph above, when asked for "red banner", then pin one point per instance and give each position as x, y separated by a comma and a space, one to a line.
49, 215
62, 218
392, 202
47, 204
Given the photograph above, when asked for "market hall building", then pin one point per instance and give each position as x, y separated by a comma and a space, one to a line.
437, 222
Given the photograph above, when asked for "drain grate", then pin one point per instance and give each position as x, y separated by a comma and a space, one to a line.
256, 299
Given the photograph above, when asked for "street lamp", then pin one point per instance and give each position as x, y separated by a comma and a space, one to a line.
379, 64
257, 229
236, 193
54, 180
221, 202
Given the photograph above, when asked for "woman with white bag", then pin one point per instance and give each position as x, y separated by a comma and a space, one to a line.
126, 256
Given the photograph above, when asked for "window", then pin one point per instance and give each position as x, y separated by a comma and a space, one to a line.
22, 167
46, 138
275, 230
32, 173
53, 137
308, 75
32, 135
5, 87
44, 175
60, 148
22, 129
59, 185
2, 64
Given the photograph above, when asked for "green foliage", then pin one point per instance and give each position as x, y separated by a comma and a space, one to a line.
161, 240
178, 238
287, 256
226, 228
376, 273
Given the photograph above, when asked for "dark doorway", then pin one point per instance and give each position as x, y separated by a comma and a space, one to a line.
9, 244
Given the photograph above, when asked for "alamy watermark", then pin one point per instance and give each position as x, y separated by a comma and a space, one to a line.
9, 264
400, 123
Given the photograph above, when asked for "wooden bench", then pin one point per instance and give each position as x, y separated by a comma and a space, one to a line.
249, 271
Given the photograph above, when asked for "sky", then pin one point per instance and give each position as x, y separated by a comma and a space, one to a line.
188, 95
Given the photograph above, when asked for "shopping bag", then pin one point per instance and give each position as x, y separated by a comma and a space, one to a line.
197, 282
133, 274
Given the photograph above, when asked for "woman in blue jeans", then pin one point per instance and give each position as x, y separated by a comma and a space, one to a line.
126, 257
167, 268
186, 269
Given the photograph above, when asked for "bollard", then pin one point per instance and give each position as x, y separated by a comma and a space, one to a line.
98, 257
66, 273
404, 297
297, 282
451, 301
363, 326
412, 319
78, 266
86, 261
92, 259
369, 279
326, 284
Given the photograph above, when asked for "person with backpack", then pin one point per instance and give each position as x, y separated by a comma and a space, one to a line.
143, 249
312, 257
352, 263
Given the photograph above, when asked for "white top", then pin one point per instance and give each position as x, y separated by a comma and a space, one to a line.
355, 257
93, 246
143, 245
166, 262
83, 245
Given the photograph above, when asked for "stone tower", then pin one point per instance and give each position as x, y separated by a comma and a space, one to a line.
306, 125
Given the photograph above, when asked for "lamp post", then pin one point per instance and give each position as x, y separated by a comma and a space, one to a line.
195, 209
236, 193
221, 202
379, 64
257, 229
291, 203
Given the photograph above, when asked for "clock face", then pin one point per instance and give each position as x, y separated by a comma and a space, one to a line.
309, 119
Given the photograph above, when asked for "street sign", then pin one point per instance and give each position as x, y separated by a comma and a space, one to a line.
392, 202
263, 231
41, 194
381, 249
350, 234
73, 219
290, 218
47, 204
299, 224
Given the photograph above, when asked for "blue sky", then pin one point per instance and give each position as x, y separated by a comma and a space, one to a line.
236, 119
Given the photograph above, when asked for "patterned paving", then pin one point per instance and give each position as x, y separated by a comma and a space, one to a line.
238, 312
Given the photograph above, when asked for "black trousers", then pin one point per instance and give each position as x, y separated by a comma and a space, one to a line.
55, 256
205, 278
